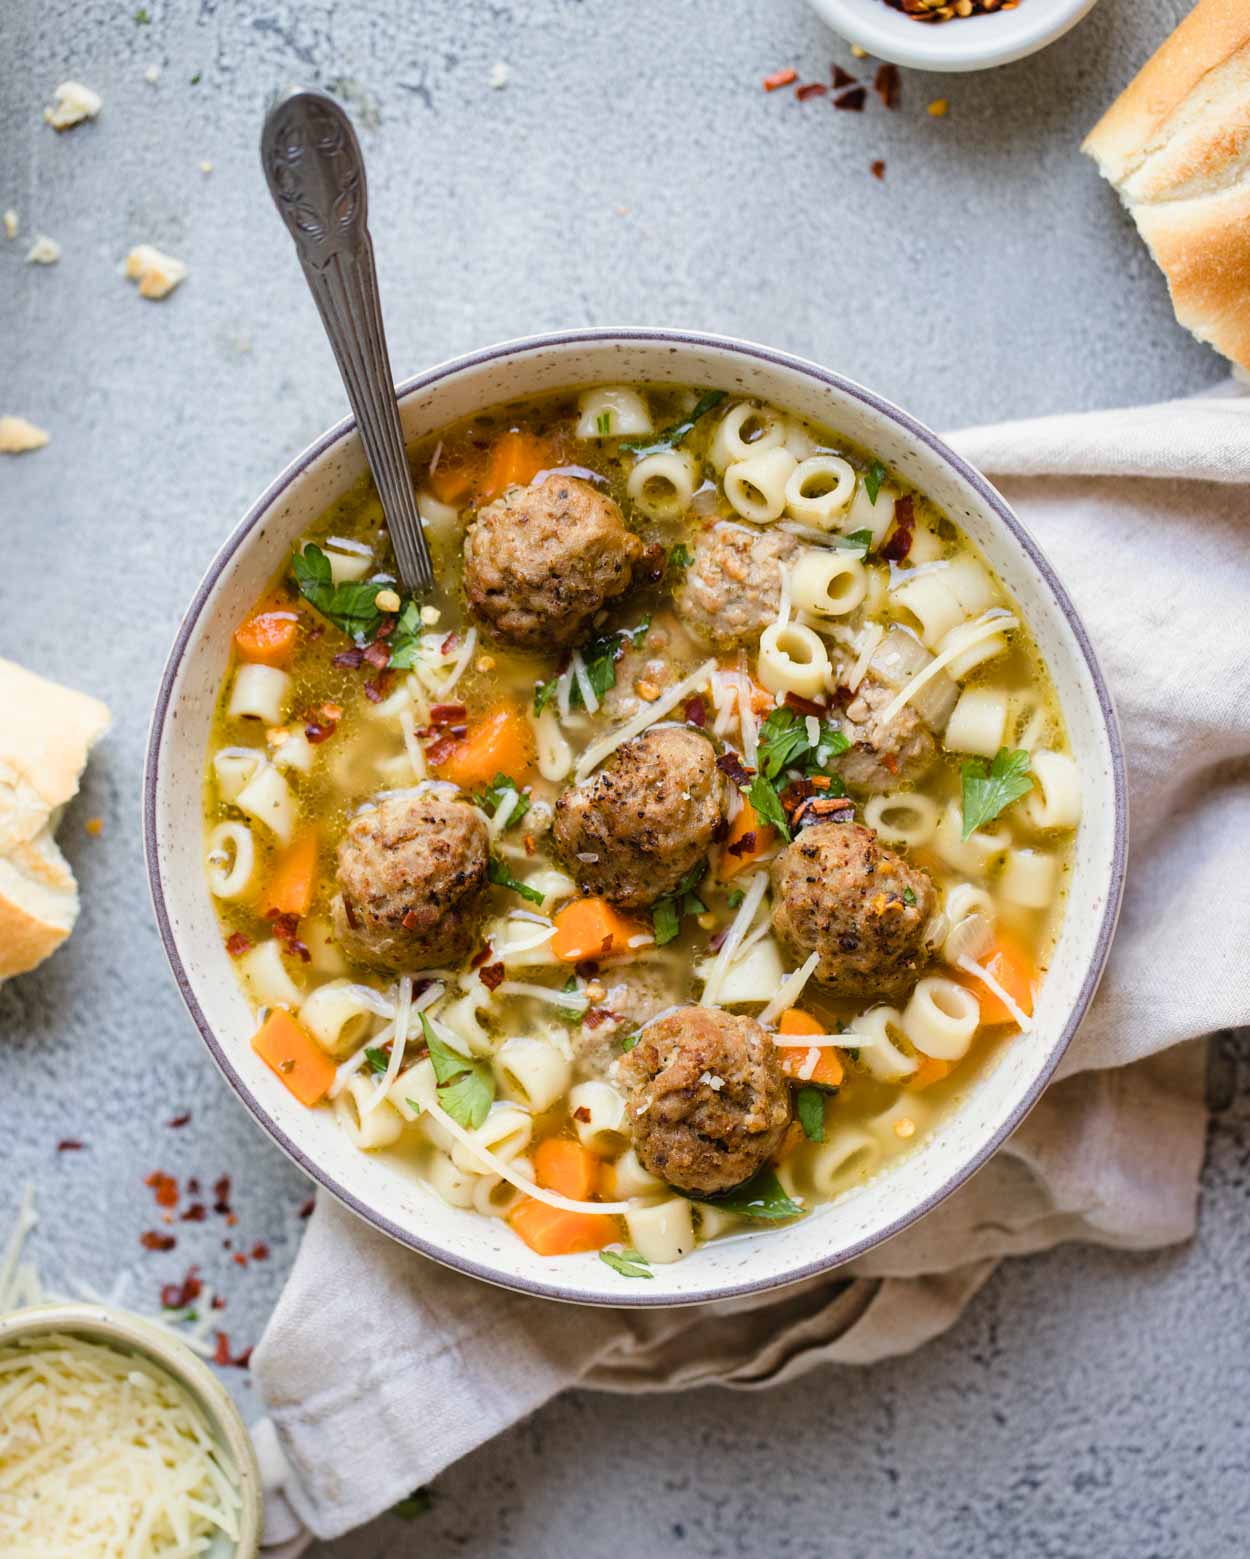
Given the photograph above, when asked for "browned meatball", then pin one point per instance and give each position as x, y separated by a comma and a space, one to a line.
732, 589
411, 876
707, 1097
836, 891
632, 832
541, 561
884, 757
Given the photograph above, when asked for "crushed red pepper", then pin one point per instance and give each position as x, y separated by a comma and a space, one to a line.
810, 89
843, 78
732, 766
179, 1120
152, 1240
70, 1145
163, 1187
853, 100
887, 85
492, 976
223, 1356
780, 78
177, 1296
237, 944
878, 169
898, 544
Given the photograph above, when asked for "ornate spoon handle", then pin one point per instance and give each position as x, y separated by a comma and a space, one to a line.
316, 176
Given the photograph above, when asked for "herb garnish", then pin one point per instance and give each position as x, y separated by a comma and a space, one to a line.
627, 1262
873, 478
378, 1059
418, 1503
143, 16
466, 1088
987, 791
630, 1040
349, 605
909, 895
856, 541
736, 898
600, 656
680, 556
668, 912
784, 743
810, 1107
761, 1197
668, 437
603, 424
767, 803
503, 878
494, 793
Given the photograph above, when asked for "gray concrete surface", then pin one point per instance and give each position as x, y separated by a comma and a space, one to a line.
631, 171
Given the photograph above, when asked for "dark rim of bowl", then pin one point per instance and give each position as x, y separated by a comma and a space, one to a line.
914, 429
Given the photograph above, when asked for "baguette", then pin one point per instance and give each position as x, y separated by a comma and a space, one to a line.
1176, 147
46, 732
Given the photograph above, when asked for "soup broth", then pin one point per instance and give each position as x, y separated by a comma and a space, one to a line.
674, 867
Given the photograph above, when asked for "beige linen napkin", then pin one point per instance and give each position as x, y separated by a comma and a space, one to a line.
1146, 514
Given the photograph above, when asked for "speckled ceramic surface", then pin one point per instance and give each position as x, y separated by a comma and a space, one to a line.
998, 1098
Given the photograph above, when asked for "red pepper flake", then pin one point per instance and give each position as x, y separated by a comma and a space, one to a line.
447, 714
716, 942
179, 1120
196, 1213
223, 1357
411, 920
218, 1302
70, 1145
898, 545
449, 643
306, 1210
810, 89
193, 1186
586, 969
600, 1015
492, 976
439, 751
843, 78
386, 628
853, 100
581, 1113
260, 1251
886, 85
375, 691
732, 766
531, 845
349, 660
177, 1296
152, 1240
221, 1194
164, 1187
482, 956
231, 1220
378, 655
695, 711
285, 928
239, 1259
878, 169
805, 706
780, 78
743, 846
237, 944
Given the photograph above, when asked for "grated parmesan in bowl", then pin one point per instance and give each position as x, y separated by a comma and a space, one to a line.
117, 1442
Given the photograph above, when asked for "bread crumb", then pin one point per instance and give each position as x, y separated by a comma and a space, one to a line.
500, 75
11, 223
17, 436
206, 167
387, 601
939, 106
44, 251
94, 826
73, 104
157, 274
152, 75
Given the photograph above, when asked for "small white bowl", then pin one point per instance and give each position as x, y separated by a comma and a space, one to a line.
997, 1097
966, 43
131, 1334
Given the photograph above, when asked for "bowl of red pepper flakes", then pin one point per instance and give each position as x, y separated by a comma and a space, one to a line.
951, 35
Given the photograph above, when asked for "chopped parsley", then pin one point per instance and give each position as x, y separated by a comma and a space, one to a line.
854, 1054
571, 1015
195, 80
466, 1088
503, 878
349, 605
736, 898
405, 639
667, 913
603, 424
810, 1105
680, 556
600, 656
988, 790
544, 692
630, 1040
495, 792
627, 1262
909, 895
667, 438
143, 16
761, 1197
784, 743
857, 541
418, 1503
873, 478
767, 803
378, 1059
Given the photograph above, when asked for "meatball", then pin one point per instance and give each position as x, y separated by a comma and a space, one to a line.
541, 561
632, 832
707, 1097
881, 757
837, 892
411, 875
732, 588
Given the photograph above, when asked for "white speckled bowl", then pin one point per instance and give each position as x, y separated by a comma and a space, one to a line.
132, 1334
971, 43
996, 1101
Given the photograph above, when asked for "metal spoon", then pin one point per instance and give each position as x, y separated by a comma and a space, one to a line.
316, 175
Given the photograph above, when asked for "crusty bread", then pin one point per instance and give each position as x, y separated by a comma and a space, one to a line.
1176, 145
46, 732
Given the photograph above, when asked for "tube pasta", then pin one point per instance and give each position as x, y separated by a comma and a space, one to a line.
793, 659
338, 1015
877, 517
662, 485
713, 1221
506, 1132
612, 411
462, 1017
906, 817
233, 767
267, 798
555, 756
941, 1017
974, 855
296, 752
819, 489
629, 1178
346, 567
846, 1156
231, 861
412, 1090
756, 487
1055, 800
436, 516
971, 585
267, 977
830, 583
925, 593
606, 1132
978, 722
367, 1129
729, 443
662, 1231
873, 1038
324, 955
454, 1184
798, 440
495, 1197
753, 977
980, 648
532, 1072
259, 693
1028, 878
970, 916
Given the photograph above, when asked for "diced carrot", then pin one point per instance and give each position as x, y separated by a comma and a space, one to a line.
295, 1056
452, 480
269, 638
828, 1071
551, 1231
499, 743
567, 1167
930, 1071
746, 841
291, 884
1013, 968
516, 459
591, 928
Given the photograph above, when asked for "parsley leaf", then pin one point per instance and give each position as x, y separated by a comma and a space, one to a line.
627, 1262
466, 1088
873, 478
667, 913
495, 792
349, 605
987, 791
784, 743
668, 437
810, 1104
378, 1059
768, 808
503, 878
909, 895
603, 424
761, 1197
857, 541
544, 692
405, 639
628, 1043
736, 898
680, 556
418, 1503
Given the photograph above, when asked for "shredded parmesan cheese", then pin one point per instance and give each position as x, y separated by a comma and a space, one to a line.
872, 637
733, 937
986, 627
589, 697
598, 751
403, 1015
416, 757
790, 990
970, 966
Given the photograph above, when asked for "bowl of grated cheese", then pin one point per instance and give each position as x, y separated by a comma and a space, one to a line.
117, 1442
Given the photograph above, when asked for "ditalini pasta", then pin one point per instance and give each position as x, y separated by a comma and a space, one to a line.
677, 866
